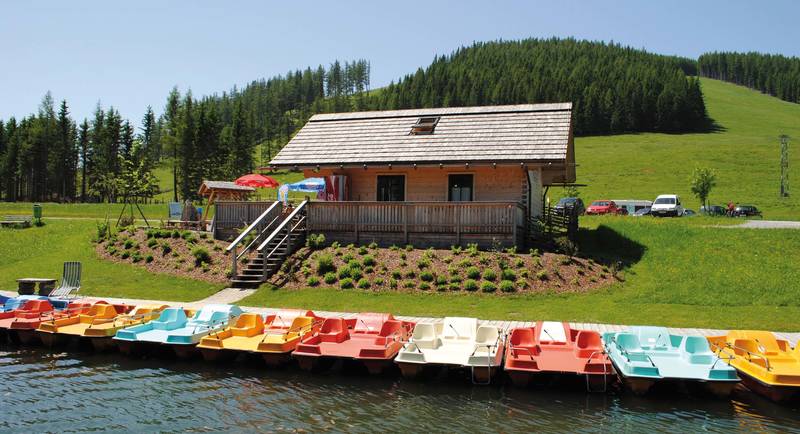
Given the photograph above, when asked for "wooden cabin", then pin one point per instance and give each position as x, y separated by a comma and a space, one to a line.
433, 177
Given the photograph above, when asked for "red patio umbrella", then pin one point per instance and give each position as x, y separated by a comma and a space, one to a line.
256, 180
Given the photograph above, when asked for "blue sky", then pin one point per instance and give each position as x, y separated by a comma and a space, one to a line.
130, 55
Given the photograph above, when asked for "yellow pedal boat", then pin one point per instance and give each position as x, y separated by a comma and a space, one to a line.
767, 365
101, 331
273, 337
60, 330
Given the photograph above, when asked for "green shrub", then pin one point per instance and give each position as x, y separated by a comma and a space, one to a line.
593, 279
409, 247
483, 260
344, 273
362, 250
394, 248
392, 283
346, 283
542, 275
441, 280
488, 287
205, 267
152, 242
519, 263
354, 264
508, 274
102, 231
409, 284
581, 272
325, 264
364, 283
396, 274
403, 255
454, 287
305, 271
201, 255
534, 252
373, 245
351, 246
125, 221
565, 260
453, 270
410, 274
128, 243
313, 281
471, 285
176, 233
315, 241
502, 263
355, 273
512, 250
424, 286
473, 272
447, 259
489, 275
335, 245
426, 276
125, 254
522, 284
456, 250
456, 278
165, 248
472, 249
566, 246
368, 260
136, 257
574, 281
378, 281
175, 255
524, 274
464, 263
507, 286
330, 277
369, 270
217, 248
347, 258
148, 259
203, 235
423, 263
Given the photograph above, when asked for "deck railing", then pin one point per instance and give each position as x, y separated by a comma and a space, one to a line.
448, 218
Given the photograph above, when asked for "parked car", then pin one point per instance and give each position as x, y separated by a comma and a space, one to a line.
600, 207
667, 205
746, 211
573, 203
642, 212
713, 210
632, 205
689, 213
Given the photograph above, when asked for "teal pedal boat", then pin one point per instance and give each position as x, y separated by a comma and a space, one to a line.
174, 329
645, 356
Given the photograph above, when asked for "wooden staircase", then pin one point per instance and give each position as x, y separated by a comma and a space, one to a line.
278, 237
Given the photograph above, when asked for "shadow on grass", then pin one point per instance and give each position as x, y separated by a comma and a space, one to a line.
609, 247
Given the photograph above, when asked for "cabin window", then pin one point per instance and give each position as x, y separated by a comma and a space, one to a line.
460, 188
391, 188
425, 125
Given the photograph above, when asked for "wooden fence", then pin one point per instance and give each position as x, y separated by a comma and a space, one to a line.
231, 216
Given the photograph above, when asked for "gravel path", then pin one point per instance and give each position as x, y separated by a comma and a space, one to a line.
764, 224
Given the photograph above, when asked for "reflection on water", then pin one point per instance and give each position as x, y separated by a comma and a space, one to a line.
57, 391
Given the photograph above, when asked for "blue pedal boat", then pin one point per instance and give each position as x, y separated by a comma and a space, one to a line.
173, 328
645, 356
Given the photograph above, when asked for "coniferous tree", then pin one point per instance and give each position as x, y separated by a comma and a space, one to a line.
85, 151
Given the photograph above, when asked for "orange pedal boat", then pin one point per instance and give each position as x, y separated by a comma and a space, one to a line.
371, 338
59, 330
556, 348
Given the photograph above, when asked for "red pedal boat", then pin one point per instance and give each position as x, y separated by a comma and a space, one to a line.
555, 348
371, 338
21, 324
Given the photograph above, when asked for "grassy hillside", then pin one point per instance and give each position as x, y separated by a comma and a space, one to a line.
744, 152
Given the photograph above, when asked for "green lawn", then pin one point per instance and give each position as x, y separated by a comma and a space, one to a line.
745, 154
678, 273
40, 252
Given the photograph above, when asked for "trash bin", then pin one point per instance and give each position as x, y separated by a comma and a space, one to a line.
37, 211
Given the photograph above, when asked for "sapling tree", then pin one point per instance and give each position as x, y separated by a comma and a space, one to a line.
703, 179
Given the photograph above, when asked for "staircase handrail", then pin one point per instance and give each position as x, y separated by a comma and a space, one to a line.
252, 226
282, 225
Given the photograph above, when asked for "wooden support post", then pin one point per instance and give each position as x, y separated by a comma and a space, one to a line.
457, 215
234, 263
405, 222
358, 221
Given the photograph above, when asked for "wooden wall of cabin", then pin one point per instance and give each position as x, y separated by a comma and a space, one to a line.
503, 183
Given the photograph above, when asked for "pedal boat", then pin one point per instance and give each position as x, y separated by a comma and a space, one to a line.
556, 348
645, 356
453, 343
100, 333
370, 338
273, 337
20, 324
70, 327
175, 330
767, 365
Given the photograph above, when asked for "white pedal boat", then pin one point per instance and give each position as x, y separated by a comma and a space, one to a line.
453, 343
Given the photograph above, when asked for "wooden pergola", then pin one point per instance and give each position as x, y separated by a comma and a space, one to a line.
222, 190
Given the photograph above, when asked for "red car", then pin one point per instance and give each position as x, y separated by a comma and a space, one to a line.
600, 207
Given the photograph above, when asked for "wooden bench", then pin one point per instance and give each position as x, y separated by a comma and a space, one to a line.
16, 221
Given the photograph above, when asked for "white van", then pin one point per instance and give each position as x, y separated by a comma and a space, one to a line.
667, 205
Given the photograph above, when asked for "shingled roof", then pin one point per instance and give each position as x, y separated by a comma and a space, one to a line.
493, 134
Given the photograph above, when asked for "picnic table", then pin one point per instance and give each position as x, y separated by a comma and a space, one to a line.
27, 285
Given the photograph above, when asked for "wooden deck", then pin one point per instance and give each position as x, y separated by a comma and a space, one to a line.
438, 224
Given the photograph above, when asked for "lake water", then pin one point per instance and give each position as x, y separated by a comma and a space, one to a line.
45, 391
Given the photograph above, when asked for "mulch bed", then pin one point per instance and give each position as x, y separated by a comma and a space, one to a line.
399, 269
171, 252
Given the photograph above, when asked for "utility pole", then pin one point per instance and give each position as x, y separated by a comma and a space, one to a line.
784, 165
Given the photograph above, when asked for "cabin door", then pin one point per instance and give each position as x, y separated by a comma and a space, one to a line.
535, 205
460, 188
391, 188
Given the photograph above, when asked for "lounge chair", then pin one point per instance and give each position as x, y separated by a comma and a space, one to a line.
70, 281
